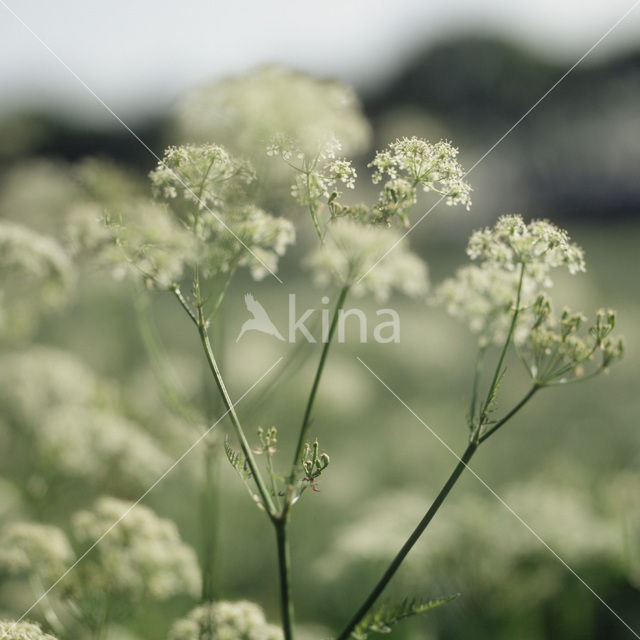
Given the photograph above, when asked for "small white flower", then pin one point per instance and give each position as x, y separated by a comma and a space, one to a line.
352, 250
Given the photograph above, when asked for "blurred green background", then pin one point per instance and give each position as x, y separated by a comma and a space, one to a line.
569, 464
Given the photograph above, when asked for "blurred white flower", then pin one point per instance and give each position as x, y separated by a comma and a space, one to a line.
22, 631
484, 297
227, 230
35, 274
540, 245
143, 556
350, 251
100, 446
241, 620
34, 381
36, 549
245, 112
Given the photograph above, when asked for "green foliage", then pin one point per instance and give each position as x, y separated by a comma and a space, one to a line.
386, 616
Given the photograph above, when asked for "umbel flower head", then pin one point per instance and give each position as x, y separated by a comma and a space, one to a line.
34, 549
241, 620
22, 631
245, 112
141, 557
99, 445
506, 292
35, 274
207, 190
407, 163
483, 296
369, 260
540, 246
54, 407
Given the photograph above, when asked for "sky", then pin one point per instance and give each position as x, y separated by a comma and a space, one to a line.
139, 55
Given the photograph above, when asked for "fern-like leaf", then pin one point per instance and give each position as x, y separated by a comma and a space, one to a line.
491, 404
387, 615
237, 461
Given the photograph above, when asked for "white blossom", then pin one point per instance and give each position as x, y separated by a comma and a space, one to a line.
369, 259
35, 274
431, 165
484, 297
241, 620
34, 548
100, 446
205, 175
141, 557
245, 112
539, 245
22, 631
148, 243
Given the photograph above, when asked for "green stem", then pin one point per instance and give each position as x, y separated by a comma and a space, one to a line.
209, 524
284, 565
413, 538
511, 413
244, 444
306, 420
201, 324
476, 382
496, 375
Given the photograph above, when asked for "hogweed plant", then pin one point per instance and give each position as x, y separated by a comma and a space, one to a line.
207, 219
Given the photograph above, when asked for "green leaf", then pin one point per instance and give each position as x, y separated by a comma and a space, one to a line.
237, 461
387, 615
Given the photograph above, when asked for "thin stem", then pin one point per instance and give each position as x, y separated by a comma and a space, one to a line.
185, 305
284, 565
272, 478
306, 420
511, 413
244, 444
476, 382
413, 538
209, 522
496, 375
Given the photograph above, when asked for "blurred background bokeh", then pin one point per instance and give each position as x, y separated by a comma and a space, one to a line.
466, 71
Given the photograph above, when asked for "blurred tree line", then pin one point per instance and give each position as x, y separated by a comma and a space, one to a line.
576, 155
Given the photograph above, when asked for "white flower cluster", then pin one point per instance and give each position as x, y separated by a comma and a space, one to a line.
224, 620
227, 229
484, 297
149, 243
36, 380
35, 549
100, 445
258, 241
35, 274
539, 245
319, 175
22, 631
52, 404
26, 253
418, 162
369, 259
141, 557
245, 112
202, 174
